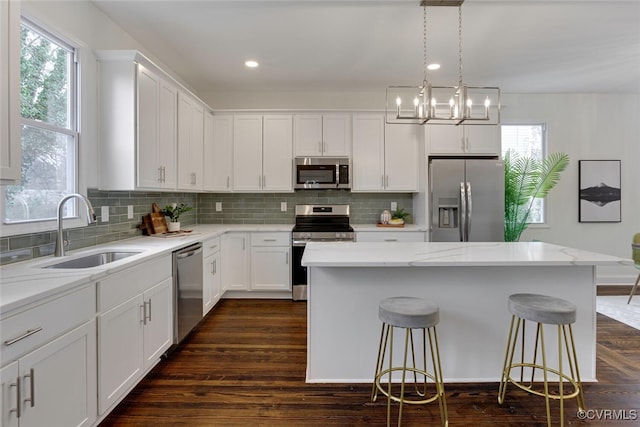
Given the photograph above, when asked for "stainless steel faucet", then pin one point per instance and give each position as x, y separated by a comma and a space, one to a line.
91, 218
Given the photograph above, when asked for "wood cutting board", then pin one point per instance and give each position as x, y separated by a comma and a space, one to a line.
158, 221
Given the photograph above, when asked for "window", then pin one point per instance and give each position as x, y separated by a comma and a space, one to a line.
527, 141
48, 125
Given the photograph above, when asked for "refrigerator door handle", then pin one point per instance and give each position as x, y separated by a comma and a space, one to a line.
462, 216
469, 211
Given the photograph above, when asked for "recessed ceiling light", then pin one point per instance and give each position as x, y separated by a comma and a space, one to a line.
251, 64
433, 67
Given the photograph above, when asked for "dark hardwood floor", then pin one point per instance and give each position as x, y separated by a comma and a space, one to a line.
245, 366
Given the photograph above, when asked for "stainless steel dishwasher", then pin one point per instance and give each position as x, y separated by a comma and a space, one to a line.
187, 287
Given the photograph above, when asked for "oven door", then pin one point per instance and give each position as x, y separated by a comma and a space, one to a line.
299, 273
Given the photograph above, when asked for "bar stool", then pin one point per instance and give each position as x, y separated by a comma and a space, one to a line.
409, 313
543, 310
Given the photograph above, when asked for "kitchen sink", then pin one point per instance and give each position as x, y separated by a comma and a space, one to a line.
92, 260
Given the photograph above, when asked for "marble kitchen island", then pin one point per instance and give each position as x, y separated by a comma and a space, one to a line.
469, 281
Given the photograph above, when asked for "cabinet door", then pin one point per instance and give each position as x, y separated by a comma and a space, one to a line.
60, 376
10, 144
10, 399
235, 262
247, 153
445, 139
336, 135
307, 135
483, 140
218, 156
120, 337
190, 143
167, 133
157, 321
149, 171
368, 152
277, 153
401, 157
271, 269
211, 282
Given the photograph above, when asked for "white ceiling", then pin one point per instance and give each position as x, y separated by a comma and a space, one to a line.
365, 45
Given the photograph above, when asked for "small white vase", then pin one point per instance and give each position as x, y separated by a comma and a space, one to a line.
173, 226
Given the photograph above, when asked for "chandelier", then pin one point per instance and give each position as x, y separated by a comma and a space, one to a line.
442, 105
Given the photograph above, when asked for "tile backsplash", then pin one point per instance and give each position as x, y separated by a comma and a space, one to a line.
237, 208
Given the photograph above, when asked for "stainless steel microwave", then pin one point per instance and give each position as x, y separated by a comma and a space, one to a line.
321, 173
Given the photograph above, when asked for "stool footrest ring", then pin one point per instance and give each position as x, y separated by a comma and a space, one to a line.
517, 383
383, 390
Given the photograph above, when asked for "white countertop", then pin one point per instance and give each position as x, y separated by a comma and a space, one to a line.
445, 254
26, 282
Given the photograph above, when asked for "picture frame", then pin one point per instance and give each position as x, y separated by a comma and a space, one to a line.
599, 191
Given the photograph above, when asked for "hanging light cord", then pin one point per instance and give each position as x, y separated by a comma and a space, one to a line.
424, 33
460, 45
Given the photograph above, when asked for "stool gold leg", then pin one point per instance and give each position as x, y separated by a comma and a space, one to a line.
544, 372
580, 398
508, 359
379, 362
633, 290
560, 377
404, 371
390, 374
438, 378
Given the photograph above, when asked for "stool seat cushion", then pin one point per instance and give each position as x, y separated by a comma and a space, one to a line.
408, 312
542, 309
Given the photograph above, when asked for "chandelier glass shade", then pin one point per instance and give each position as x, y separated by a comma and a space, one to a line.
443, 105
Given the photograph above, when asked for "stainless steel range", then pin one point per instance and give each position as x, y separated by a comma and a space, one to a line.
316, 223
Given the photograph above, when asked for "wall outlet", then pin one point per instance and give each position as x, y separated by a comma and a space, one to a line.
218, 206
394, 206
104, 213
129, 211
283, 206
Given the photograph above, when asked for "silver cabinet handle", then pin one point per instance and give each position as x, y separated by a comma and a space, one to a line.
390, 240
23, 336
286, 259
382, 180
32, 387
268, 240
18, 408
243, 244
215, 267
149, 309
264, 181
159, 173
386, 180
320, 146
227, 181
143, 307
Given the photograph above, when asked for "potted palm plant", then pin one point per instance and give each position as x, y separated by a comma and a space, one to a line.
526, 179
173, 211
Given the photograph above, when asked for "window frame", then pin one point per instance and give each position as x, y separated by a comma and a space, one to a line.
78, 218
545, 140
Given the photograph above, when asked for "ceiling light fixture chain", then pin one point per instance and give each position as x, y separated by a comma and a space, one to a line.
442, 105
460, 45
424, 31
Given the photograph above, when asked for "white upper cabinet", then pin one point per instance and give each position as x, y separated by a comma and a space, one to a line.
385, 157
157, 109
10, 145
138, 107
262, 153
190, 143
456, 140
218, 152
326, 135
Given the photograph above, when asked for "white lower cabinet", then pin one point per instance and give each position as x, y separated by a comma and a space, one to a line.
135, 326
235, 262
211, 274
51, 383
270, 262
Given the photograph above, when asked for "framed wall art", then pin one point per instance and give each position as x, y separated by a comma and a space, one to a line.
599, 191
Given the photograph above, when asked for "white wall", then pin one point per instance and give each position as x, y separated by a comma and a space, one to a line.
585, 126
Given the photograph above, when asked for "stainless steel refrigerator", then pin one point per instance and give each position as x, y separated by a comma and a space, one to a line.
466, 200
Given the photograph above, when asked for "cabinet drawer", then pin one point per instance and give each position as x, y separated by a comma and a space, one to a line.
390, 236
125, 284
210, 247
271, 239
37, 326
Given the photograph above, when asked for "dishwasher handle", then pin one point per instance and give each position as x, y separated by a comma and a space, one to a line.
188, 252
